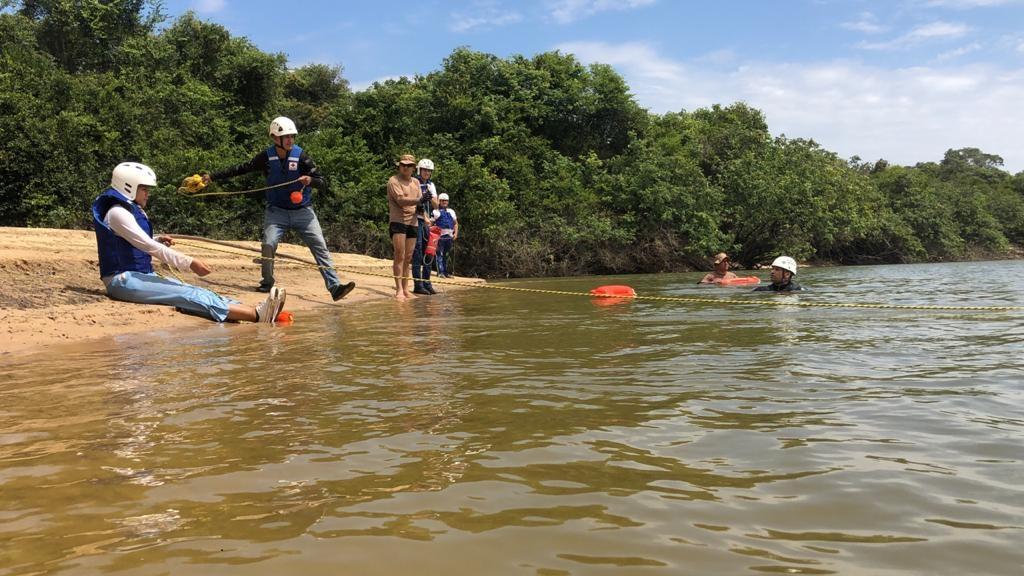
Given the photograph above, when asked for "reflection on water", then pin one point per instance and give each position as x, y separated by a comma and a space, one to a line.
509, 433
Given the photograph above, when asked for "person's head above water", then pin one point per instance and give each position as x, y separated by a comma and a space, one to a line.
783, 269
721, 262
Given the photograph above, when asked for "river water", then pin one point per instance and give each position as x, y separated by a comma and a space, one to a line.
496, 432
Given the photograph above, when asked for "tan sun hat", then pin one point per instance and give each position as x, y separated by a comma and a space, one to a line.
407, 159
721, 256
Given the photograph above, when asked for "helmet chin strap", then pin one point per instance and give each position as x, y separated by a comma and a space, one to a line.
277, 143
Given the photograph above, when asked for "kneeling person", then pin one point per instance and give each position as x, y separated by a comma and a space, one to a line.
126, 246
783, 271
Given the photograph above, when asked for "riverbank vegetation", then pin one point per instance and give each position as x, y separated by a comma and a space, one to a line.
552, 166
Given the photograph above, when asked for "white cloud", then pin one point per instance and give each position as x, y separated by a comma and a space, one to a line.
958, 52
486, 15
566, 11
921, 34
867, 23
905, 115
724, 56
1020, 47
968, 4
937, 30
209, 6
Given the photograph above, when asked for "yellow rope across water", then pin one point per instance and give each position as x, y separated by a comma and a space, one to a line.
686, 299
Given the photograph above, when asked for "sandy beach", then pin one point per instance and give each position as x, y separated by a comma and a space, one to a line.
51, 294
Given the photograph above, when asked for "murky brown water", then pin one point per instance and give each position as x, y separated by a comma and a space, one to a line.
505, 433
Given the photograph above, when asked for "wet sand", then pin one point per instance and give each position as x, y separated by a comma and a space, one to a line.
51, 294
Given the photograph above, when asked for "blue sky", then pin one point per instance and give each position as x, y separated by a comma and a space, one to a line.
902, 80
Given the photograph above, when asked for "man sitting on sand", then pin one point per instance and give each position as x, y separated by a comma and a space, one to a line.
124, 239
721, 271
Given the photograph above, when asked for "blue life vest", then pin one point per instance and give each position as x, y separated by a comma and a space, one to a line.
117, 254
281, 171
425, 206
445, 221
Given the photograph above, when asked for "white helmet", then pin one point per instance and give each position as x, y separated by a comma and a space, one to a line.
425, 164
442, 196
282, 126
786, 263
128, 176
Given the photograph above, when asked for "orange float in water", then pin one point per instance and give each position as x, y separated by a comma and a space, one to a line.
284, 318
740, 281
619, 290
612, 294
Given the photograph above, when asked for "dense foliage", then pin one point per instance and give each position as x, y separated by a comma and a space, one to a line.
551, 165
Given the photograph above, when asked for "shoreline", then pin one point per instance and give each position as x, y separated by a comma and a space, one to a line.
51, 294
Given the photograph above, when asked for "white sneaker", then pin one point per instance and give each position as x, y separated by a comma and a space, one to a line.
279, 296
267, 311
263, 309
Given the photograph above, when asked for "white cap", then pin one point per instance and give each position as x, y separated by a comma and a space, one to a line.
442, 196
426, 164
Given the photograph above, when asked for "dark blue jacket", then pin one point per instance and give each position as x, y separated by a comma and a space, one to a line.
790, 286
426, 206
297, 164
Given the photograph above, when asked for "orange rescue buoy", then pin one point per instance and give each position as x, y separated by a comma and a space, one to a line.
612, 294
740, 281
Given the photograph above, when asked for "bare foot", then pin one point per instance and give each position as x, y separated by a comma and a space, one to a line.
400, 296
410, 296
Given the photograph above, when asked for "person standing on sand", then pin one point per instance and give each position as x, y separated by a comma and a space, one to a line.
721, 271
428, 202
289, 203
126, 248
403, 196
445, 219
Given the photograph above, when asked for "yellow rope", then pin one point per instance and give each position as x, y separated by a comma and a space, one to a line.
691, 300
189, 189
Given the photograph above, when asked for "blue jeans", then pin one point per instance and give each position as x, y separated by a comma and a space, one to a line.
444, 247
277, 221
420, 261
143, 288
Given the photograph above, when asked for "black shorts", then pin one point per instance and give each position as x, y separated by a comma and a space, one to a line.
402, 228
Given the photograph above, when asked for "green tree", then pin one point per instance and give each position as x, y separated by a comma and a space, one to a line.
312, 92
83, 34
725, 134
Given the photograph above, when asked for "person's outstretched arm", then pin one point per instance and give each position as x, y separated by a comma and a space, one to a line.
124, 225
257, 164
